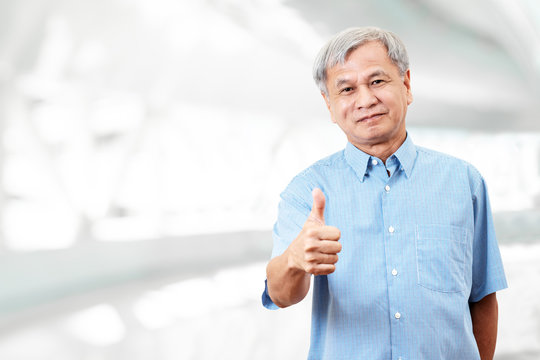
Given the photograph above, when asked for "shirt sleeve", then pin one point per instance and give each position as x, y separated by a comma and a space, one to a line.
488, 273
293, 210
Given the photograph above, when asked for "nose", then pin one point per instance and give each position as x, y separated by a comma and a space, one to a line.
365, 98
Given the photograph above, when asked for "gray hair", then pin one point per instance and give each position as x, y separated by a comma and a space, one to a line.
341, 45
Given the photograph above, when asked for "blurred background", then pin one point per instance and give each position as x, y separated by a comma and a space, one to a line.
144, 145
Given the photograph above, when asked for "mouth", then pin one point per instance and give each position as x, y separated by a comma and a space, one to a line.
371, 117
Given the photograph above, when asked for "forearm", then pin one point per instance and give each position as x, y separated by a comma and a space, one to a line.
484, 316
287, 285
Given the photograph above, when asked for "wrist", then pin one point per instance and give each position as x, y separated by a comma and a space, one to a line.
292, 264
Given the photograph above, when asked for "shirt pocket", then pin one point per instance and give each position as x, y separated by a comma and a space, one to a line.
441, 257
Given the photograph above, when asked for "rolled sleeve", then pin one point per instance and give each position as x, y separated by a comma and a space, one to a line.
266, 301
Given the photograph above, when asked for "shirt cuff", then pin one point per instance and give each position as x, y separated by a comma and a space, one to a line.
266, 301
494, 286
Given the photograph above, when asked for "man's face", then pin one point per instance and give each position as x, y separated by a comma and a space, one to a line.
368, 98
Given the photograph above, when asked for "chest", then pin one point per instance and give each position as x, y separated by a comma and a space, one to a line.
399, 228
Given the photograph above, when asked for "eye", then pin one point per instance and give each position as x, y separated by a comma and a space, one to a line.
377, 82
346, 90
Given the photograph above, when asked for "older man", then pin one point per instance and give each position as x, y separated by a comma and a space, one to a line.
400, 238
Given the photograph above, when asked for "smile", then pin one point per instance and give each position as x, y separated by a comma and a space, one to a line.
371, 117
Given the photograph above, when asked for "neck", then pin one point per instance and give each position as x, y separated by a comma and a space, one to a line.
385, 149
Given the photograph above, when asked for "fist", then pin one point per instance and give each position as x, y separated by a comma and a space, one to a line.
316, 248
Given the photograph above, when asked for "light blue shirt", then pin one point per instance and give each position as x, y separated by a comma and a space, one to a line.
417, 246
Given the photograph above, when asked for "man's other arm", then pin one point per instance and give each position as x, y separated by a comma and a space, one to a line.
485, 315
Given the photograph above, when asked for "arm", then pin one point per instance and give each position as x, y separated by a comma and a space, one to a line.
314, 251
287, 284
484, 314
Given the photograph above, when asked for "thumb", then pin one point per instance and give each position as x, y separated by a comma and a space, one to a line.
317, 211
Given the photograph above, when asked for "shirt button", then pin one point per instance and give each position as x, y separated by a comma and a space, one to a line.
394, 272
374, 162
397, 315
387, 188
391, 229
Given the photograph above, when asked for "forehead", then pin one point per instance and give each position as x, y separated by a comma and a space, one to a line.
364, 60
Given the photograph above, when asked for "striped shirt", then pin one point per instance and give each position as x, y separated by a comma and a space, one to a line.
418, 245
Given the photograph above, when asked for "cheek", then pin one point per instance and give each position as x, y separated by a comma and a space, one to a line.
337, 111
345, 108
396, 102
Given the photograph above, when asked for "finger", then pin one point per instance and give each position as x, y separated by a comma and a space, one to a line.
321, 258
328, 258
329, 247
317, 210
322, 269
328, 233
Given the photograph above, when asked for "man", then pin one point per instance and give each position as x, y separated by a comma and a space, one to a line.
400, 238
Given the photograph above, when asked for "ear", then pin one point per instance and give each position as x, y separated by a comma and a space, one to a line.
407, 83
327, 101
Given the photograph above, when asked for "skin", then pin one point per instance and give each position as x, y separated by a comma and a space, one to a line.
367, 98
485, 314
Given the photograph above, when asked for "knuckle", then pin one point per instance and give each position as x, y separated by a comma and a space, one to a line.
309, 247
309, 258
310, 232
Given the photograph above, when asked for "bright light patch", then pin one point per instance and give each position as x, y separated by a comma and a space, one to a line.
184, 300
132, 228
195, 298
30, 226
153, 310
100, 325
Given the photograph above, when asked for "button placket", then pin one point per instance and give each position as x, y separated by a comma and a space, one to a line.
392, 239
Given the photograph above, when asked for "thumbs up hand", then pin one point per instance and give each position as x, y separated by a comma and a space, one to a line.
316, 247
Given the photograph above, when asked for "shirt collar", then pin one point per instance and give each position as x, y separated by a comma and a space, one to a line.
406, 154
359, 160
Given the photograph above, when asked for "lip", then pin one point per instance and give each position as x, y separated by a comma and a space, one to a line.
371, 117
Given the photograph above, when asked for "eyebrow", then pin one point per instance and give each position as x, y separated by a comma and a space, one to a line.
343, 81
377, 73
